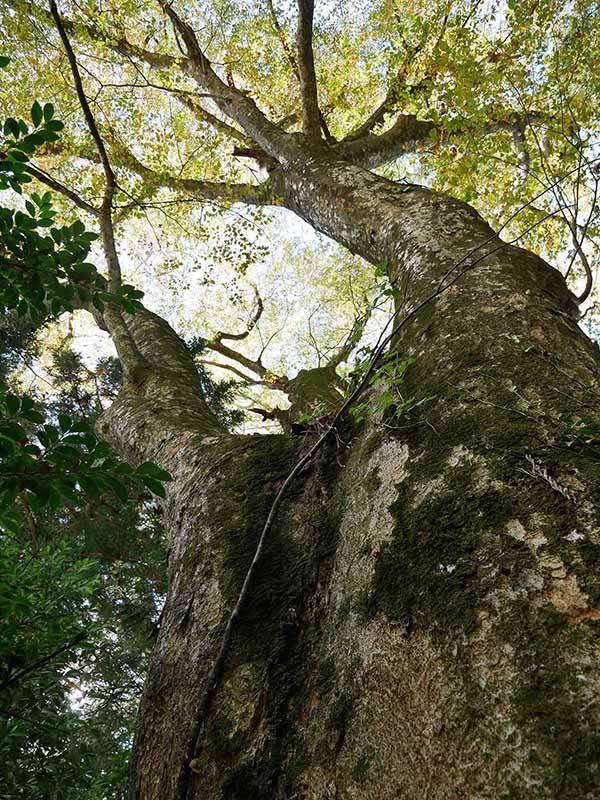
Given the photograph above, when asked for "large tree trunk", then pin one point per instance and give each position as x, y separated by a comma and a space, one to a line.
424, 623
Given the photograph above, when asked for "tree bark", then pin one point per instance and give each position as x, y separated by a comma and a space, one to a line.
425, 619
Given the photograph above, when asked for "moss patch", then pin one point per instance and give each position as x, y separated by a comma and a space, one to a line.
549, 701
276, 630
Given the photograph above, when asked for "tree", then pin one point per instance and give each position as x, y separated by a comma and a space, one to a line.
416, 614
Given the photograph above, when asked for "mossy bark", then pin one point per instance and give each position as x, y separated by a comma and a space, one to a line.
425, 622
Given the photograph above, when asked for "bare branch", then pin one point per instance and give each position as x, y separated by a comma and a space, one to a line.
253, 322
255, 366
578, 243
114, 267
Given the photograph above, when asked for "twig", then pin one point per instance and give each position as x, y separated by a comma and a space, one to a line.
43, 661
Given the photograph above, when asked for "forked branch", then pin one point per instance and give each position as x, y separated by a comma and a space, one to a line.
237, 105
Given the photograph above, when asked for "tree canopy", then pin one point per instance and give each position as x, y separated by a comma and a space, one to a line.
492, 102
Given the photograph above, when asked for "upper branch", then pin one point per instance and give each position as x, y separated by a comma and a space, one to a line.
85, 107
231, 101
282, 38
311, 116
253, 322
108, 235
119, 44
133, 361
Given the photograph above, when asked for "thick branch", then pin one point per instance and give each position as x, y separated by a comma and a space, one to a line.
261, 194
311, 117
371, 150
408, 133
231, 101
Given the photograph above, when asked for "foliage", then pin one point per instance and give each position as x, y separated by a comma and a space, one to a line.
220, 395
41, 273
19, 343
92, 582
63, 496
52, 464
387, 381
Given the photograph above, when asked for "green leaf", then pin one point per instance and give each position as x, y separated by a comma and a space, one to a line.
118, 488
149, 469
13, 404
17, 155
65, 422
36, 113
80, 427
89, 485
33, 416
4, 62
48, 112
11, 127
155, 486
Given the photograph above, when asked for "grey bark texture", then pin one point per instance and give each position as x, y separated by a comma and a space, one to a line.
425, 621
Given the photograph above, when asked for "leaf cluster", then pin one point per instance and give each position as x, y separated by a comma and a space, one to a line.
43, 267
53, 464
